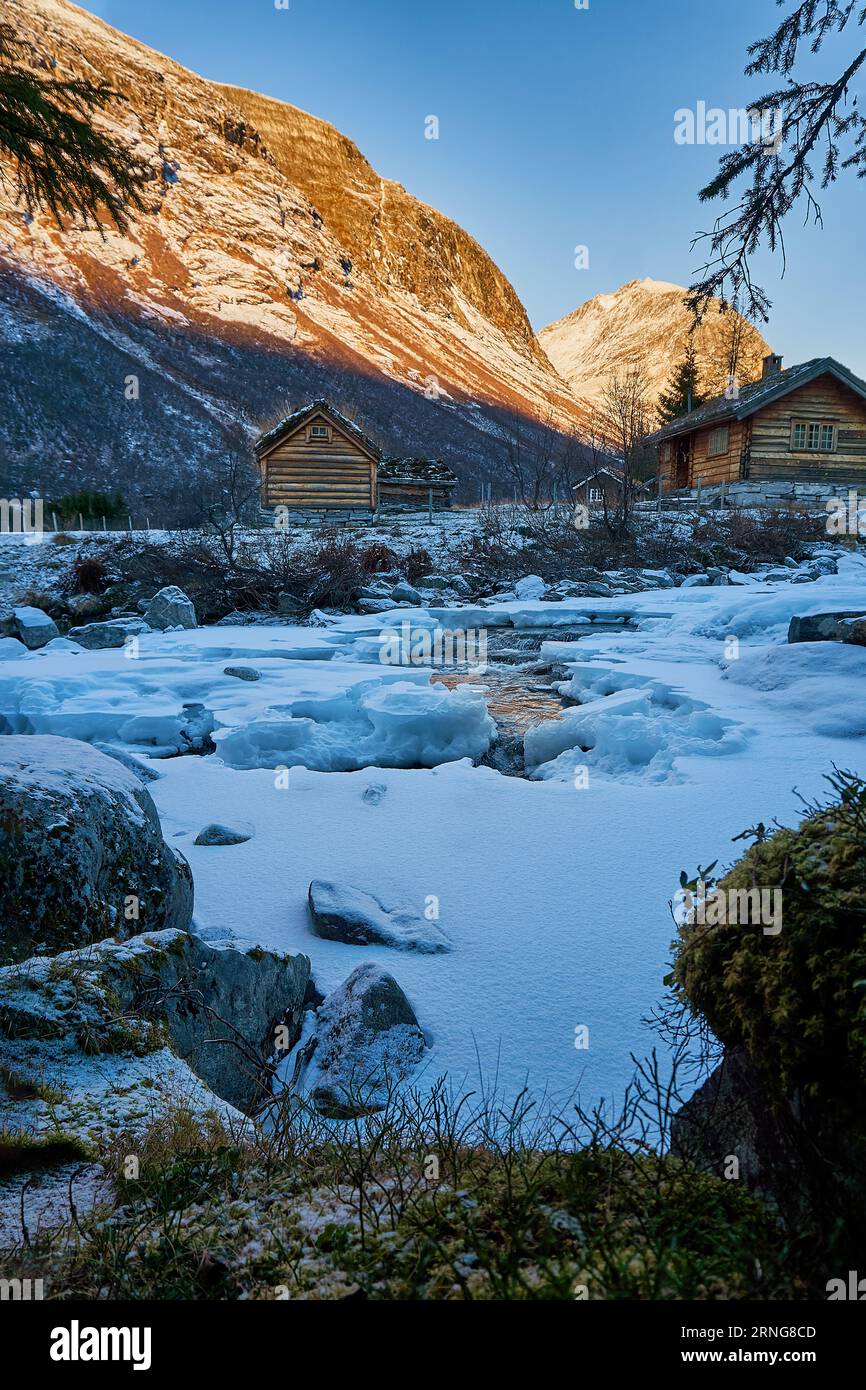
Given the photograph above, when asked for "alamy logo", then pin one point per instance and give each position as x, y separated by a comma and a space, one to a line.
77, 1343
421, 646
717, 907
22, 517
21, 1290
736, 126
853, 1288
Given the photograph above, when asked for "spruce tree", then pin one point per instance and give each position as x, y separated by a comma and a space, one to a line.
61, 162
683, 393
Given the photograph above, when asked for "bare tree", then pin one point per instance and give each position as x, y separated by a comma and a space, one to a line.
540, 460
626, 416
809, 119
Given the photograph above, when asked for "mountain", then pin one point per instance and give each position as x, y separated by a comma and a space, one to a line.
272, 264
646, 321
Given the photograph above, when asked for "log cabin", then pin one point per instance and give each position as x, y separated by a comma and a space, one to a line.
318, 460
604, 487
803, 424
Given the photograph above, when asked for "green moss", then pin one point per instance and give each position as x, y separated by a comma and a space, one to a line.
21, 1152
795, 1001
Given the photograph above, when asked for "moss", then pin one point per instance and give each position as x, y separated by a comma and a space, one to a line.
21, 1152
795, 1001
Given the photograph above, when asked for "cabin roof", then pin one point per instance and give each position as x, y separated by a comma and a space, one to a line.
290, 423
616, 473
417, 470
756, 395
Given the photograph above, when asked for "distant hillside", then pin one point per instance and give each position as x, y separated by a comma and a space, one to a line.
272, 264
647, 321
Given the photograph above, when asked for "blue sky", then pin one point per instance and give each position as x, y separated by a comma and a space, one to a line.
555, 130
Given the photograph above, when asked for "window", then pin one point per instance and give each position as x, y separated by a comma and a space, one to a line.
595, 494
718, 441
817, 436
320, 432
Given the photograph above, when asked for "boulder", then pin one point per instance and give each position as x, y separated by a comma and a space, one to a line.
170, 608
434, 581
102, 636
404, 592
340, 912
288, 605
32, 627
81, 850
531, 586
829, 627
696, 581
125, 1017
89, 605
366, 1040
243, 673
216, 834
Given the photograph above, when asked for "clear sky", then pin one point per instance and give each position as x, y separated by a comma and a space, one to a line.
556, 129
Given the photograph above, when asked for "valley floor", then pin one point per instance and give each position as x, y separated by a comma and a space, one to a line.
554, 888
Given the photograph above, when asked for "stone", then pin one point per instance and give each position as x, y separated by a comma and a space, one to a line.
243, 673
434, 581
340, 912
366, 1040
404, 592
102, 636
216, 834
828, 627
82, 855
88, 605
696, 581
288, 605
33, 627
531, 586
170, 608
127, 1016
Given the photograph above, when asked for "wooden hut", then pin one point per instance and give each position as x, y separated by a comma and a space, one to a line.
317, 459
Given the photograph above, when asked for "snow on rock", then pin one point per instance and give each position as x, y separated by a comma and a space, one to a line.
92, 1024
343, 913
531, 586
115, 633
243, 673
31, 626
83, 854
366, 1040
170, 608
216, 834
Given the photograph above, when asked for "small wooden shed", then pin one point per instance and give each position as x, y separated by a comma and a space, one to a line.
317, 459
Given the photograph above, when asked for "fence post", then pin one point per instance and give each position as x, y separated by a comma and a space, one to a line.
700, 486
430, 506
80, 522
129, 519
54, 520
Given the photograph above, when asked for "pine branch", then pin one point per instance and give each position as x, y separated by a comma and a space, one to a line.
61, 162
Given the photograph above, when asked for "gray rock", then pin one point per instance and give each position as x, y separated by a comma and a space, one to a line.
531, 586
104, 1014
696, 581
343, 913
288, 605
824, 564
404, 592
170, 608
33, 627
829, 627
216, 834
81, 850
366, 1039
434, 581
376, 605
101, 636
243, 673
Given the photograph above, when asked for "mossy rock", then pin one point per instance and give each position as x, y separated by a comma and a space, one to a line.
794, 1001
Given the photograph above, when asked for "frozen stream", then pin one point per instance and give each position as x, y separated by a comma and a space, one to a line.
697, 721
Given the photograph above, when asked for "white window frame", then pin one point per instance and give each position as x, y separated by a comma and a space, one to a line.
814, 429
596, 494
320, 432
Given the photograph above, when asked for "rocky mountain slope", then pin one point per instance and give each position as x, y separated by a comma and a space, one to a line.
647, 321
272, 263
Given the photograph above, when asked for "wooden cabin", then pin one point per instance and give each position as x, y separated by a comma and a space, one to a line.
804, 424
604, 488
415, 484
318, 459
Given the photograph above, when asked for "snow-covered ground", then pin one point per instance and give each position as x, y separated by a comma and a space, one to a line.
696, 721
